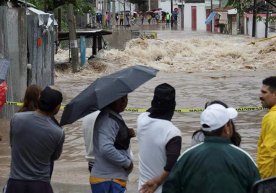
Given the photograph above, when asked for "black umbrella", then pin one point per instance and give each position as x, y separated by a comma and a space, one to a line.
106, 90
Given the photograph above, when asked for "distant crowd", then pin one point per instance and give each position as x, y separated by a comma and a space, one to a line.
129, 18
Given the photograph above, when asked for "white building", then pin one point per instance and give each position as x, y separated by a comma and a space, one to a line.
260, 26
120, 5
195, 11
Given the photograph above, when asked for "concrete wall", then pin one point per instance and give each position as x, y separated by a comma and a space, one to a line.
201, 16
120, 6
13, 39
260, 26
166, 5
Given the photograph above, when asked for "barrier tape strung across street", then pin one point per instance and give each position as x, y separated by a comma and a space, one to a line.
182, 110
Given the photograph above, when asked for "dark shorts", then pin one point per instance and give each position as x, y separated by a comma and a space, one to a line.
28, 186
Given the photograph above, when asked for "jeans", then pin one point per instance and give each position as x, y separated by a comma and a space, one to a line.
107, 187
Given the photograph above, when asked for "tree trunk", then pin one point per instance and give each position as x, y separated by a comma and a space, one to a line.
72, 38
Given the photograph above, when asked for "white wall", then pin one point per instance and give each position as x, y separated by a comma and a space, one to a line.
260, 27
166, 5
187, 16
201, 16
119, 6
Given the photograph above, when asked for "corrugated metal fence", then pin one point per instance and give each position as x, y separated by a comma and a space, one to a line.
22, 42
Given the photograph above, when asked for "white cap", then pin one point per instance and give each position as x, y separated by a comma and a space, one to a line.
215, 116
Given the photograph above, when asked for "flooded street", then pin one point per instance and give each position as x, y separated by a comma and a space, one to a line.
237, 89
201, 67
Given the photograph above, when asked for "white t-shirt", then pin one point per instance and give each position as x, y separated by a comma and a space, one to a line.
88, 123
153, 135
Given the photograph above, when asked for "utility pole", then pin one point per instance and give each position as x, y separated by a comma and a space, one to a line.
104, 15
113, 14
212, 19
109, 15
182, 15
254, 19
125, 13
266, 20
72, 38
171, 13
238, 19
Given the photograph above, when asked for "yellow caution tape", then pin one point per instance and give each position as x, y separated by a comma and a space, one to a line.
195, 110
19, 104
183, 110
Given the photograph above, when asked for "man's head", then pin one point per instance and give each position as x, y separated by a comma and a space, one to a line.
215, 120
163, 102
268, 92
50, 101
119, 105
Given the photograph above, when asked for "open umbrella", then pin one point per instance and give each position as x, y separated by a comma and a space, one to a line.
106, 90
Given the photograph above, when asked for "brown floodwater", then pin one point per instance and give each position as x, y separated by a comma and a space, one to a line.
193, 90
199, 71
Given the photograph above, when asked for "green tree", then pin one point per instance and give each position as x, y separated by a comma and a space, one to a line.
80, 6
240, 5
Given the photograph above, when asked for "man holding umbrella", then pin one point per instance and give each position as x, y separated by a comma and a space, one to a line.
111, 136
111, 141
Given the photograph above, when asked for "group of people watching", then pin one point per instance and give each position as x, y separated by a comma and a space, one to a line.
129, 19
214, 162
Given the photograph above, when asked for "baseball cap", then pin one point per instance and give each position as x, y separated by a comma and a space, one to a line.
215, 116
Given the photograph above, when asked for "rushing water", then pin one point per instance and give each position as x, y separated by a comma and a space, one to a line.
201, 67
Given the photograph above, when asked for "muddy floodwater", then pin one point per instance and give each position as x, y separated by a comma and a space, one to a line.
201, 67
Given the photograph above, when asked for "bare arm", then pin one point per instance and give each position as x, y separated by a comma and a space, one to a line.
151, 185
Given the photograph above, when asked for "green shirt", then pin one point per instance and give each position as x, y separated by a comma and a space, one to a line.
215, 166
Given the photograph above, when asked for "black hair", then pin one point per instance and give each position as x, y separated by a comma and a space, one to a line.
235, 138
271, 82
163, 102
217, 132
215, 102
